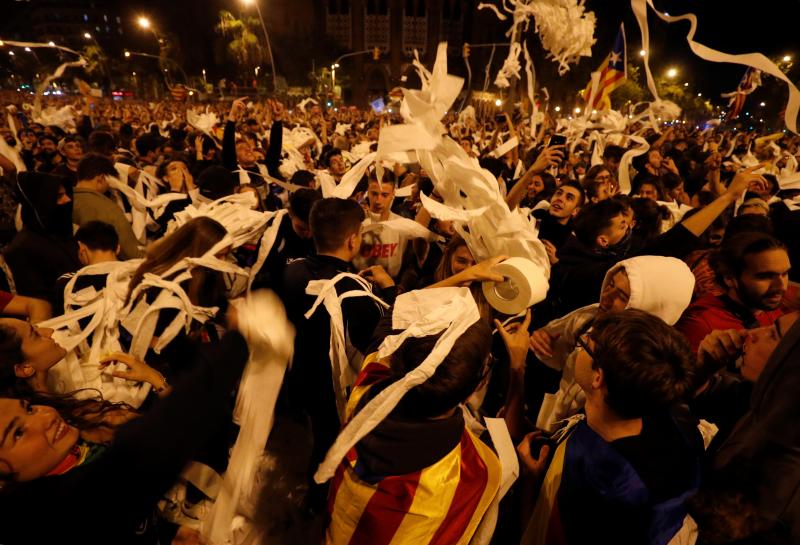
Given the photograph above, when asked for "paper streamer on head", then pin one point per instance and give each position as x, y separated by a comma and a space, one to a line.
420, 313
342, 373
270, 340
87, 344
754, 60
146, 203
233, 212
141, 317
470, 193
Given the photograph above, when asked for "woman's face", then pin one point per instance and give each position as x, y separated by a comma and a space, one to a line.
536, 186
35, 439
178, 176
461, 260
39, 350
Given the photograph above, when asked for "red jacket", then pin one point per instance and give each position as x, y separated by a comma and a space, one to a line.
711, 312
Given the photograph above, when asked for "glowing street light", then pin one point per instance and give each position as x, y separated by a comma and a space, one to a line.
699, 94
498, 102
11, 53
787, 58
686, 84
557, 108
127, 54
672, 72
577, 110
27, 49
143, 22
2, 43
763, 104
642, 52
51, 44
266, 39
87, 35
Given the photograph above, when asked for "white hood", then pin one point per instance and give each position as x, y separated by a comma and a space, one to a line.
662, 286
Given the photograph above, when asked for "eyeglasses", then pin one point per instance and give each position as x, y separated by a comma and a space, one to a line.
584, 345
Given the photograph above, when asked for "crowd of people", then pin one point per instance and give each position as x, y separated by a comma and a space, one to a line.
649, 396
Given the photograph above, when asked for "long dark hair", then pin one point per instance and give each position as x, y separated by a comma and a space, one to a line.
88, 413
192, 239
445, 270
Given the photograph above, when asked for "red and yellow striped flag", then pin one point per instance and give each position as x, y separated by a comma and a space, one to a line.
612, 73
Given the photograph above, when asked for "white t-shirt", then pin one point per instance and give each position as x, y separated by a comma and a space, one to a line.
384, 246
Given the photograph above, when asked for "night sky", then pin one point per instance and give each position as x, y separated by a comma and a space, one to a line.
735, 26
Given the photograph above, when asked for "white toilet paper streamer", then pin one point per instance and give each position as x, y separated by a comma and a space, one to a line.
525, 285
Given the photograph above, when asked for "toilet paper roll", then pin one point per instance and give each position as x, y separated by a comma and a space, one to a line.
525, 285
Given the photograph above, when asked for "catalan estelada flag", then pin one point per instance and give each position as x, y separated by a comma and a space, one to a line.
592, 493
613, 73
410, 482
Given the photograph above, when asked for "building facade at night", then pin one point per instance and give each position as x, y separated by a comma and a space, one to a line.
66, 21
397, 28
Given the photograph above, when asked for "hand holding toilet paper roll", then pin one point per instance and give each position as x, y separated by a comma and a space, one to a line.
525, 285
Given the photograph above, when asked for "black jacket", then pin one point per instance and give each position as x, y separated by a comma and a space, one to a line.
288, 247
576, 279
104, 501
310, 382
45, 248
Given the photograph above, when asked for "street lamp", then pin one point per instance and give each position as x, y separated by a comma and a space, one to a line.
557, 108
642, 52
127, 54
577, 110
672, 72
51, 44
762, 104
498, 102
334, 66
143, 22
787, 58
266, 39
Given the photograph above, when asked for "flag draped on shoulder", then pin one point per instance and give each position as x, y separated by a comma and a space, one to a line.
610, 75
442, 502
